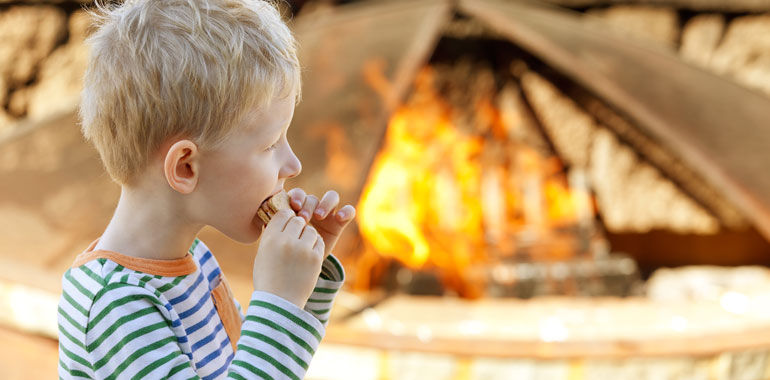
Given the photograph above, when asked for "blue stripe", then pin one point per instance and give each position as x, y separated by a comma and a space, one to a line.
214, 274
192, 310
202, 363
190, 290
206, 256
222, 369
207, 339
202, 323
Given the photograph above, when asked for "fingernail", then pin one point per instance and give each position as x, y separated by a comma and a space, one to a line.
319, 211
296, 203
304, 215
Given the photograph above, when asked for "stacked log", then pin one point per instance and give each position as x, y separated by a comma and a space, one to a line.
633, 195
42, 61
734, 47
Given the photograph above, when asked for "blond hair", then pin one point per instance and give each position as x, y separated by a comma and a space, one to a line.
187, 68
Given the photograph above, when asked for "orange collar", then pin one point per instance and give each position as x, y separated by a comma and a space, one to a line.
167, 268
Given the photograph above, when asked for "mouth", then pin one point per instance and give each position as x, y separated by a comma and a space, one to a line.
274, 203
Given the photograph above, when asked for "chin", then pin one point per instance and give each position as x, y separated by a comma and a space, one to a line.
247, 235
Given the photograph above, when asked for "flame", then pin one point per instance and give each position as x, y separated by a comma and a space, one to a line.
433, 200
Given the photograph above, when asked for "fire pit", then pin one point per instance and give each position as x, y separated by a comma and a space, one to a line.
494, 162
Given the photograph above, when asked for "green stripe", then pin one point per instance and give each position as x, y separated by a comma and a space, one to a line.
123, 342
324, 290
278, 346
299, 341
118, 268
144, 280
93, 275
71, 320
154, 365
81, 288
74, 304
318, 300
114, 285
325, 276
179, 368
337, 265
119, 302
120, 322
174, 283
252, 369
323, 311
69, 336
79, 373
139, 353
73, 372
235, 376
299, 322
75, 357
264, 356
194, 245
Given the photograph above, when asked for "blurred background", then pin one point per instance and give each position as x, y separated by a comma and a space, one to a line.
560, 189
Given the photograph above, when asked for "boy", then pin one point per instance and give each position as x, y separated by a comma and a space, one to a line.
188, 103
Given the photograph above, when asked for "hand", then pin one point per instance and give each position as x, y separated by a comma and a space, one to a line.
323, 214
289, 258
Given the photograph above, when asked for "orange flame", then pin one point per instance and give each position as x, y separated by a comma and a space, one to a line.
432, 201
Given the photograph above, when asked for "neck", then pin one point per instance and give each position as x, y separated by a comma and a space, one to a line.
145, 225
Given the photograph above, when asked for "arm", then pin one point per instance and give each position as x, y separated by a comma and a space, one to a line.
130, 334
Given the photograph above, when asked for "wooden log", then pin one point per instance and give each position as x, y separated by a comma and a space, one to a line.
656, 154
569, 129
701, 37
632, 195
743, 53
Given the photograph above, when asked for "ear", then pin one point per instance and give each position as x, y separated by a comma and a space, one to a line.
181, 166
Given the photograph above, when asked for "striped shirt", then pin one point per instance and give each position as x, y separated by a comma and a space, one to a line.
124, 317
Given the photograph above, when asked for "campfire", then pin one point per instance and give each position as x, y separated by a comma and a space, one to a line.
457, 186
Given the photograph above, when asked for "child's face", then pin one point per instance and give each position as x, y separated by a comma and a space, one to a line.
251, 165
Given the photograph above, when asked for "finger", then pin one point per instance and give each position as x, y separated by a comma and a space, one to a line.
319, 246
294, 226
278, 221
296, 198
328, 203
345, 214
311, 202
309, 236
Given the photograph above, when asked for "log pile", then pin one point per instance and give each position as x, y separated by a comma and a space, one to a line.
631, 193
42, 60
735, 47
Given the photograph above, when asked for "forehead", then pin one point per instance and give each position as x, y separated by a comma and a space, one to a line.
269, 120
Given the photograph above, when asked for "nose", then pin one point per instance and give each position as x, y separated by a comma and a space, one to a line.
291, 166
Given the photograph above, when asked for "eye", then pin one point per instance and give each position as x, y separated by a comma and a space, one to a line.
272, 147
